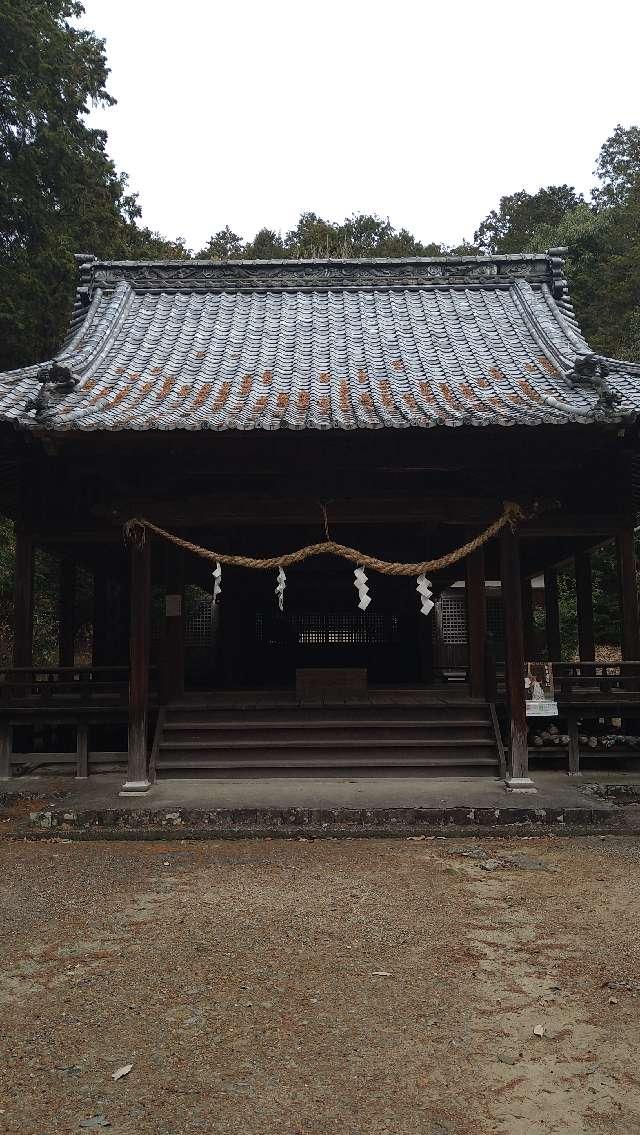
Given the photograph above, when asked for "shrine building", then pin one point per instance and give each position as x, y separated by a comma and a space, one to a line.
408, 443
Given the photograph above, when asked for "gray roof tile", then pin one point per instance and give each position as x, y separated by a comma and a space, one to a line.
324, 344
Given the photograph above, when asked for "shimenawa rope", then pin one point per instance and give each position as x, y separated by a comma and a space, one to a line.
134, 530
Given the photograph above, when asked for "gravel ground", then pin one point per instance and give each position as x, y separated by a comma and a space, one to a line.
308, 988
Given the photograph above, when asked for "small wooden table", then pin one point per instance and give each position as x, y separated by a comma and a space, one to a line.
315, 682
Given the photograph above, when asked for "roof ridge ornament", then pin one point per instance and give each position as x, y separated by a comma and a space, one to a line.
559, 284
84, 268
594, 370
54, 379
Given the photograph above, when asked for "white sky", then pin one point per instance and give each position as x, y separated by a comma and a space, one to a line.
247, 112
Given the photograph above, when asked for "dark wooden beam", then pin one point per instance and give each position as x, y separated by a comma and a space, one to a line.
137, 775
573, 524
23, 599
476, 622
627, 568
514, 647
44, 536
552, 615
584, 604
251, 508
66, 612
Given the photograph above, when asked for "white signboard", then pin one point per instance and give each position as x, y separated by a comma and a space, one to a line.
542, 708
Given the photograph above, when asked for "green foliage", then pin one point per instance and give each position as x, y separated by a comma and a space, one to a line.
313, 238
59, 191
45, 609
606, 602
511, 226
362, 234
266, 245
602, 236
618, 168
224, 245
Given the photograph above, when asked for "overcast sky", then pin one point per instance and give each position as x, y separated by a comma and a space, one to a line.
246, 113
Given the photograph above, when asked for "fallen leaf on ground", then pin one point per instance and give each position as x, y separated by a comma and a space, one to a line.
124, 1070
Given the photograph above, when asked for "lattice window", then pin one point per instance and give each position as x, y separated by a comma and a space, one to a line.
453, 620
317, 629
199, 617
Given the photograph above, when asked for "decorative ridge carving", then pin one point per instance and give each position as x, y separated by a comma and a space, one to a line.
304, 275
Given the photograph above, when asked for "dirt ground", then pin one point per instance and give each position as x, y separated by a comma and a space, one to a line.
308, 988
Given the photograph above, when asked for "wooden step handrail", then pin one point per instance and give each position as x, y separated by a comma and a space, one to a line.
157, 740
502, 759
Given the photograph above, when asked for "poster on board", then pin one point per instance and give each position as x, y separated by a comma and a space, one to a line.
539, 692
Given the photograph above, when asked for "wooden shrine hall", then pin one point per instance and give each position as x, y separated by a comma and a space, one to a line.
441, 420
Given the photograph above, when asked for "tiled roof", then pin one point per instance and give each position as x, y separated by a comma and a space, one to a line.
323, 344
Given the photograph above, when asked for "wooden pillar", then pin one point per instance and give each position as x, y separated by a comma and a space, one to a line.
476, 622
574, 746
137, 779
514, 662
552, 615
23, 599
625, 548
66, 612
584, 602
173, 663
528, 623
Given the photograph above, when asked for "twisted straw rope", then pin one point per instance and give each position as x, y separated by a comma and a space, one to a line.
135, 530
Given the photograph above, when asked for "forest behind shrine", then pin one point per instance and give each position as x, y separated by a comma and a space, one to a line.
60, 193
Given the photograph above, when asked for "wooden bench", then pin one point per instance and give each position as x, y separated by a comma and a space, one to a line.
319, 682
